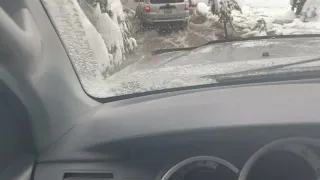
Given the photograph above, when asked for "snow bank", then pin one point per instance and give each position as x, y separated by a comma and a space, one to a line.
311, 9
114, 26
287, 17
274, 17
261, 18
117, 13
202, 8
95, 41
113, 39
115, 10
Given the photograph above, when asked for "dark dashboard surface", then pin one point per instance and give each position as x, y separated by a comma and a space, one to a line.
217, 109
142, 138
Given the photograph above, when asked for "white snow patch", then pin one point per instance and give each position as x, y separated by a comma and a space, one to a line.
112, 37
116, 8
240, 3
279, 18
97, 10
287, 17
312, 9
249, 44
132, 43
202, 8
95, 40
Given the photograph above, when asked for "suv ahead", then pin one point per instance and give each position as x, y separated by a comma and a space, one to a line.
160, 13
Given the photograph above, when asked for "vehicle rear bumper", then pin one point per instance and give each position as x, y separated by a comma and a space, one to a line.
171, 24
167, 21
155, 18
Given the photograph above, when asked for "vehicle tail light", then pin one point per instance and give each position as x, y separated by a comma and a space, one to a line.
187, 6
148, 8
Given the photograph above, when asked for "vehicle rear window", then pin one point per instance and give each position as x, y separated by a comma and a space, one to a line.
165, 1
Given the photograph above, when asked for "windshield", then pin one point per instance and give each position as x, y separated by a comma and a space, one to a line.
111, 43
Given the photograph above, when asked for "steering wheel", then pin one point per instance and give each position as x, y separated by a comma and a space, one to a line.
271, 147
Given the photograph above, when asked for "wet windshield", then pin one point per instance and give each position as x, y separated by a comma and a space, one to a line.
111, 43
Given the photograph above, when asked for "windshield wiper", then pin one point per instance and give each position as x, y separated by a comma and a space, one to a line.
161, 51
254, 73
268, 78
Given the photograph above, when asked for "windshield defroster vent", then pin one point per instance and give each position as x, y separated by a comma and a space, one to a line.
88, 176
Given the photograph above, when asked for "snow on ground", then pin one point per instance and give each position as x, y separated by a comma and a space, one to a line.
203, 27
279, 18
202, 8
311, 8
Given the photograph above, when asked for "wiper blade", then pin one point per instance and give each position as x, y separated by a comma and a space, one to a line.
161, 51
251, 72
273, 77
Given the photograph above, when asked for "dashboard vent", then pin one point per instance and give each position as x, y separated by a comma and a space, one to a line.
88, 176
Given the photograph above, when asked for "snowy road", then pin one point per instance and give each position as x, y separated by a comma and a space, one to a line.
276, 13
116, 37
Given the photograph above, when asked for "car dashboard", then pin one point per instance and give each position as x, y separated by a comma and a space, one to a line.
265, 131
192, 158
240, 133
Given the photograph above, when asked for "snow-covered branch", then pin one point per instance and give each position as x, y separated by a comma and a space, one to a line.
112, 22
